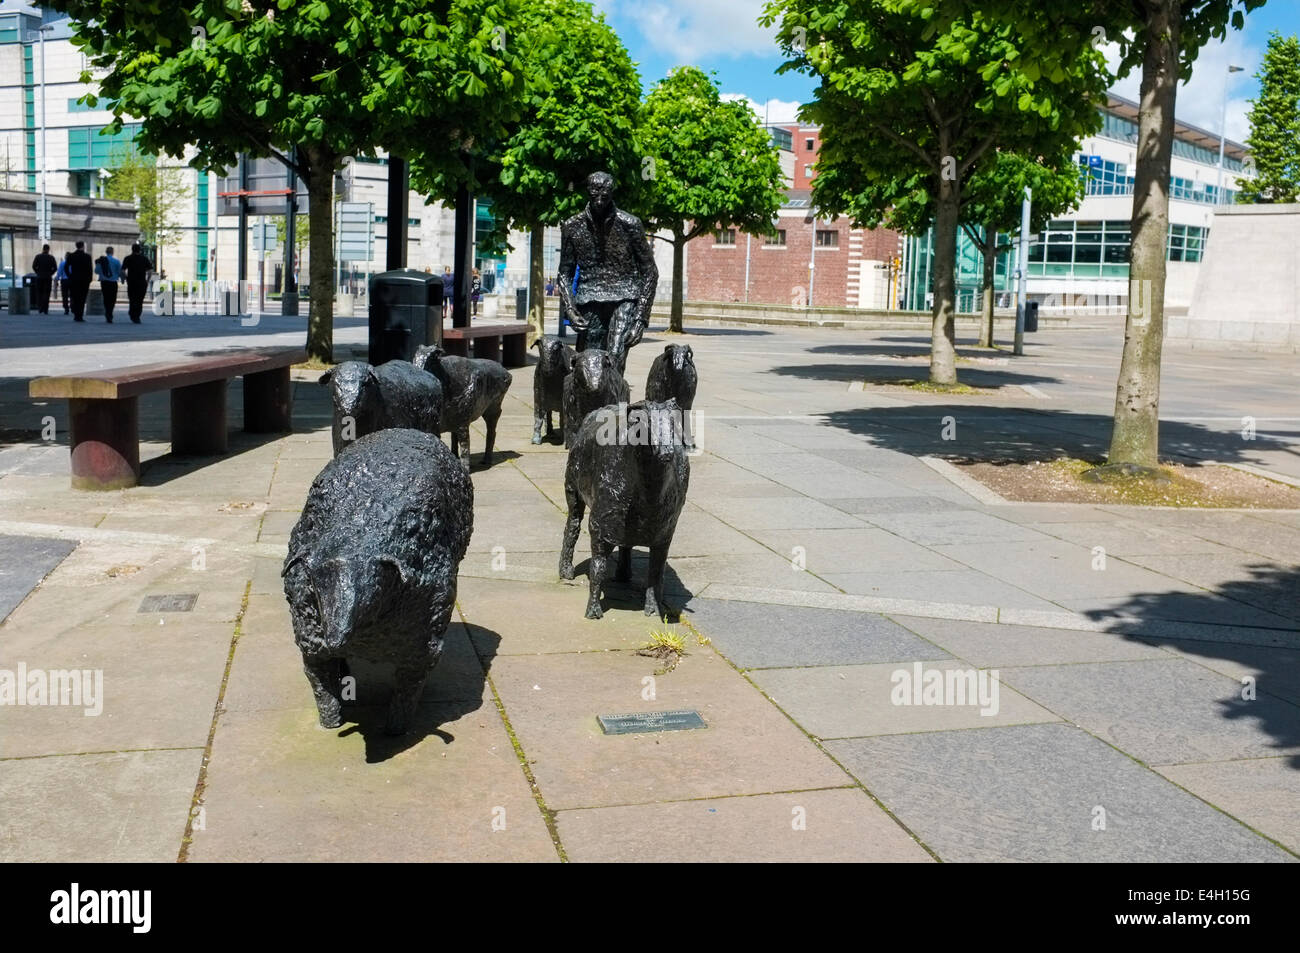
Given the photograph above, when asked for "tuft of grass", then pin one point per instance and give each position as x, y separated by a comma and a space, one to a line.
313, 364
665, 645
929, 387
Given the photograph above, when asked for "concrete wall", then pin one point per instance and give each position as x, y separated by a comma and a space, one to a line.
1248, 285
97, 222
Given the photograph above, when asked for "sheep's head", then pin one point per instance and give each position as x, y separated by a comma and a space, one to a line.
337, 595
555, 357
594, 370
352, 384
680, 356
664, 427
428, 356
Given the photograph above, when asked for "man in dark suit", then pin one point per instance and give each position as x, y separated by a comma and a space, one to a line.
607, 273
135, 270
108, 269
45, 265
80, 272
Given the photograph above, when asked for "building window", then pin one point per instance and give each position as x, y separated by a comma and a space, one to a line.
776, 238
807, 172
828, 238
783, 139
726, 236
809, 145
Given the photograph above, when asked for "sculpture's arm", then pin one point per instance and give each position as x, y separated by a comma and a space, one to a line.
568, 265
649, 273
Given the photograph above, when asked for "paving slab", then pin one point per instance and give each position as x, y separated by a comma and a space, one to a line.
1262, 793
24, 562
953, 527
753, 635
856, 549
1275, 670
853, 700
117, 807
828, 826
1000, 645
748, 747
1164, 711
956, 586
755, 513
280, 788
1030, 793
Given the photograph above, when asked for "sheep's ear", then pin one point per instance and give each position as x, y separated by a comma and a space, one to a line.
326, 378
295, 558
668, 349
403, 570
571, 360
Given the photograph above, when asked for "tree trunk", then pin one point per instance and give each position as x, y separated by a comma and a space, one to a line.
990, 251
679, 248
320, 191
1136, 434
943, 353
536, 284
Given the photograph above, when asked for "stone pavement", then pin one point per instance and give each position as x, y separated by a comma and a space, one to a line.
823, 564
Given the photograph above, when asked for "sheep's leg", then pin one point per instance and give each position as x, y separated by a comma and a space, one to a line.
460, 445
654, 589
408, 685
324, 676
490, 419
572, 526
624, 571
538, 414
596, 576
550, 431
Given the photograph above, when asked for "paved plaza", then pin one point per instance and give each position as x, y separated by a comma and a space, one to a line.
1144, 710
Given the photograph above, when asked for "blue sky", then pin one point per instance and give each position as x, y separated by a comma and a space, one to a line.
724, 36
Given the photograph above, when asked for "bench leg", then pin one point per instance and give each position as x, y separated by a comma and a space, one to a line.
457, 347
488, 348
268, 401
105, 443
513, 351
199, 419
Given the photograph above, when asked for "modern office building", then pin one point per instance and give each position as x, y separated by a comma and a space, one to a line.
1081, 259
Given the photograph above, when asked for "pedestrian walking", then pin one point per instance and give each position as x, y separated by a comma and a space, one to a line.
448, 289
46, 266
136, 269
62, 276
80, 272
475, 291
109, 270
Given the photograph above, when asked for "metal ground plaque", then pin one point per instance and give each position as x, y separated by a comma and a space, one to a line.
650, 721
178, 602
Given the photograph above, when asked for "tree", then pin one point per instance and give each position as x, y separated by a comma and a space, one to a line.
906, 104
159, 192
709, 165
993, 207
333, 78
1164, 38
580, 99
1274, 138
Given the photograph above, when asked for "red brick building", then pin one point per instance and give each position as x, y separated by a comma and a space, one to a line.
850, 267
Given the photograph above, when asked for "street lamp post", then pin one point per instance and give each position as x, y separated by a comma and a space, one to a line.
1223, 132
44, 217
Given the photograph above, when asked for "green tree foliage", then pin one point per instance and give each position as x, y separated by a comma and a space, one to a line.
1274, 138
159, 191
910, 106
332, 77
579, 103
1163, 38
708, 165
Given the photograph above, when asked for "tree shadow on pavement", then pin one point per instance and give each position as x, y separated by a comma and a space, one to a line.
875, 372
1274, 666
994, 434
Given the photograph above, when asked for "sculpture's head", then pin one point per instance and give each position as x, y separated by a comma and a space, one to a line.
335, 596
666, 428
600, 188
427, 356
351, 382
595, 370
680, 356
555, 355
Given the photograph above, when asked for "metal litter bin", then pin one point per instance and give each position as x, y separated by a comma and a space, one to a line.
1031, 316
405, 313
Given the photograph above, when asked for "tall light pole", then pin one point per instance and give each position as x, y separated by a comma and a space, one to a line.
1022, 271
1223, 131
44, 218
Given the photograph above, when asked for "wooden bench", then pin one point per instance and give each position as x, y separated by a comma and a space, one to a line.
104, 413
487, 340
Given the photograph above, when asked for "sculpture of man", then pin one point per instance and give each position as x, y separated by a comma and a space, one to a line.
607, 273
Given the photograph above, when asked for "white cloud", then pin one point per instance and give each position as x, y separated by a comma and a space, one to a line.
773, 111
691, 29
1200, 99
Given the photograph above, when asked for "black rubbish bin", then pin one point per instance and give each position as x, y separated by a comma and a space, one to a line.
29, 280
521, 304
1031, 316
405, 313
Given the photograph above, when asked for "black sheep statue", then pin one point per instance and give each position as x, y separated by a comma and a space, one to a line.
371, 570
673, 375
554, 362
471, 388
594, 382
369, 398
629, 467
